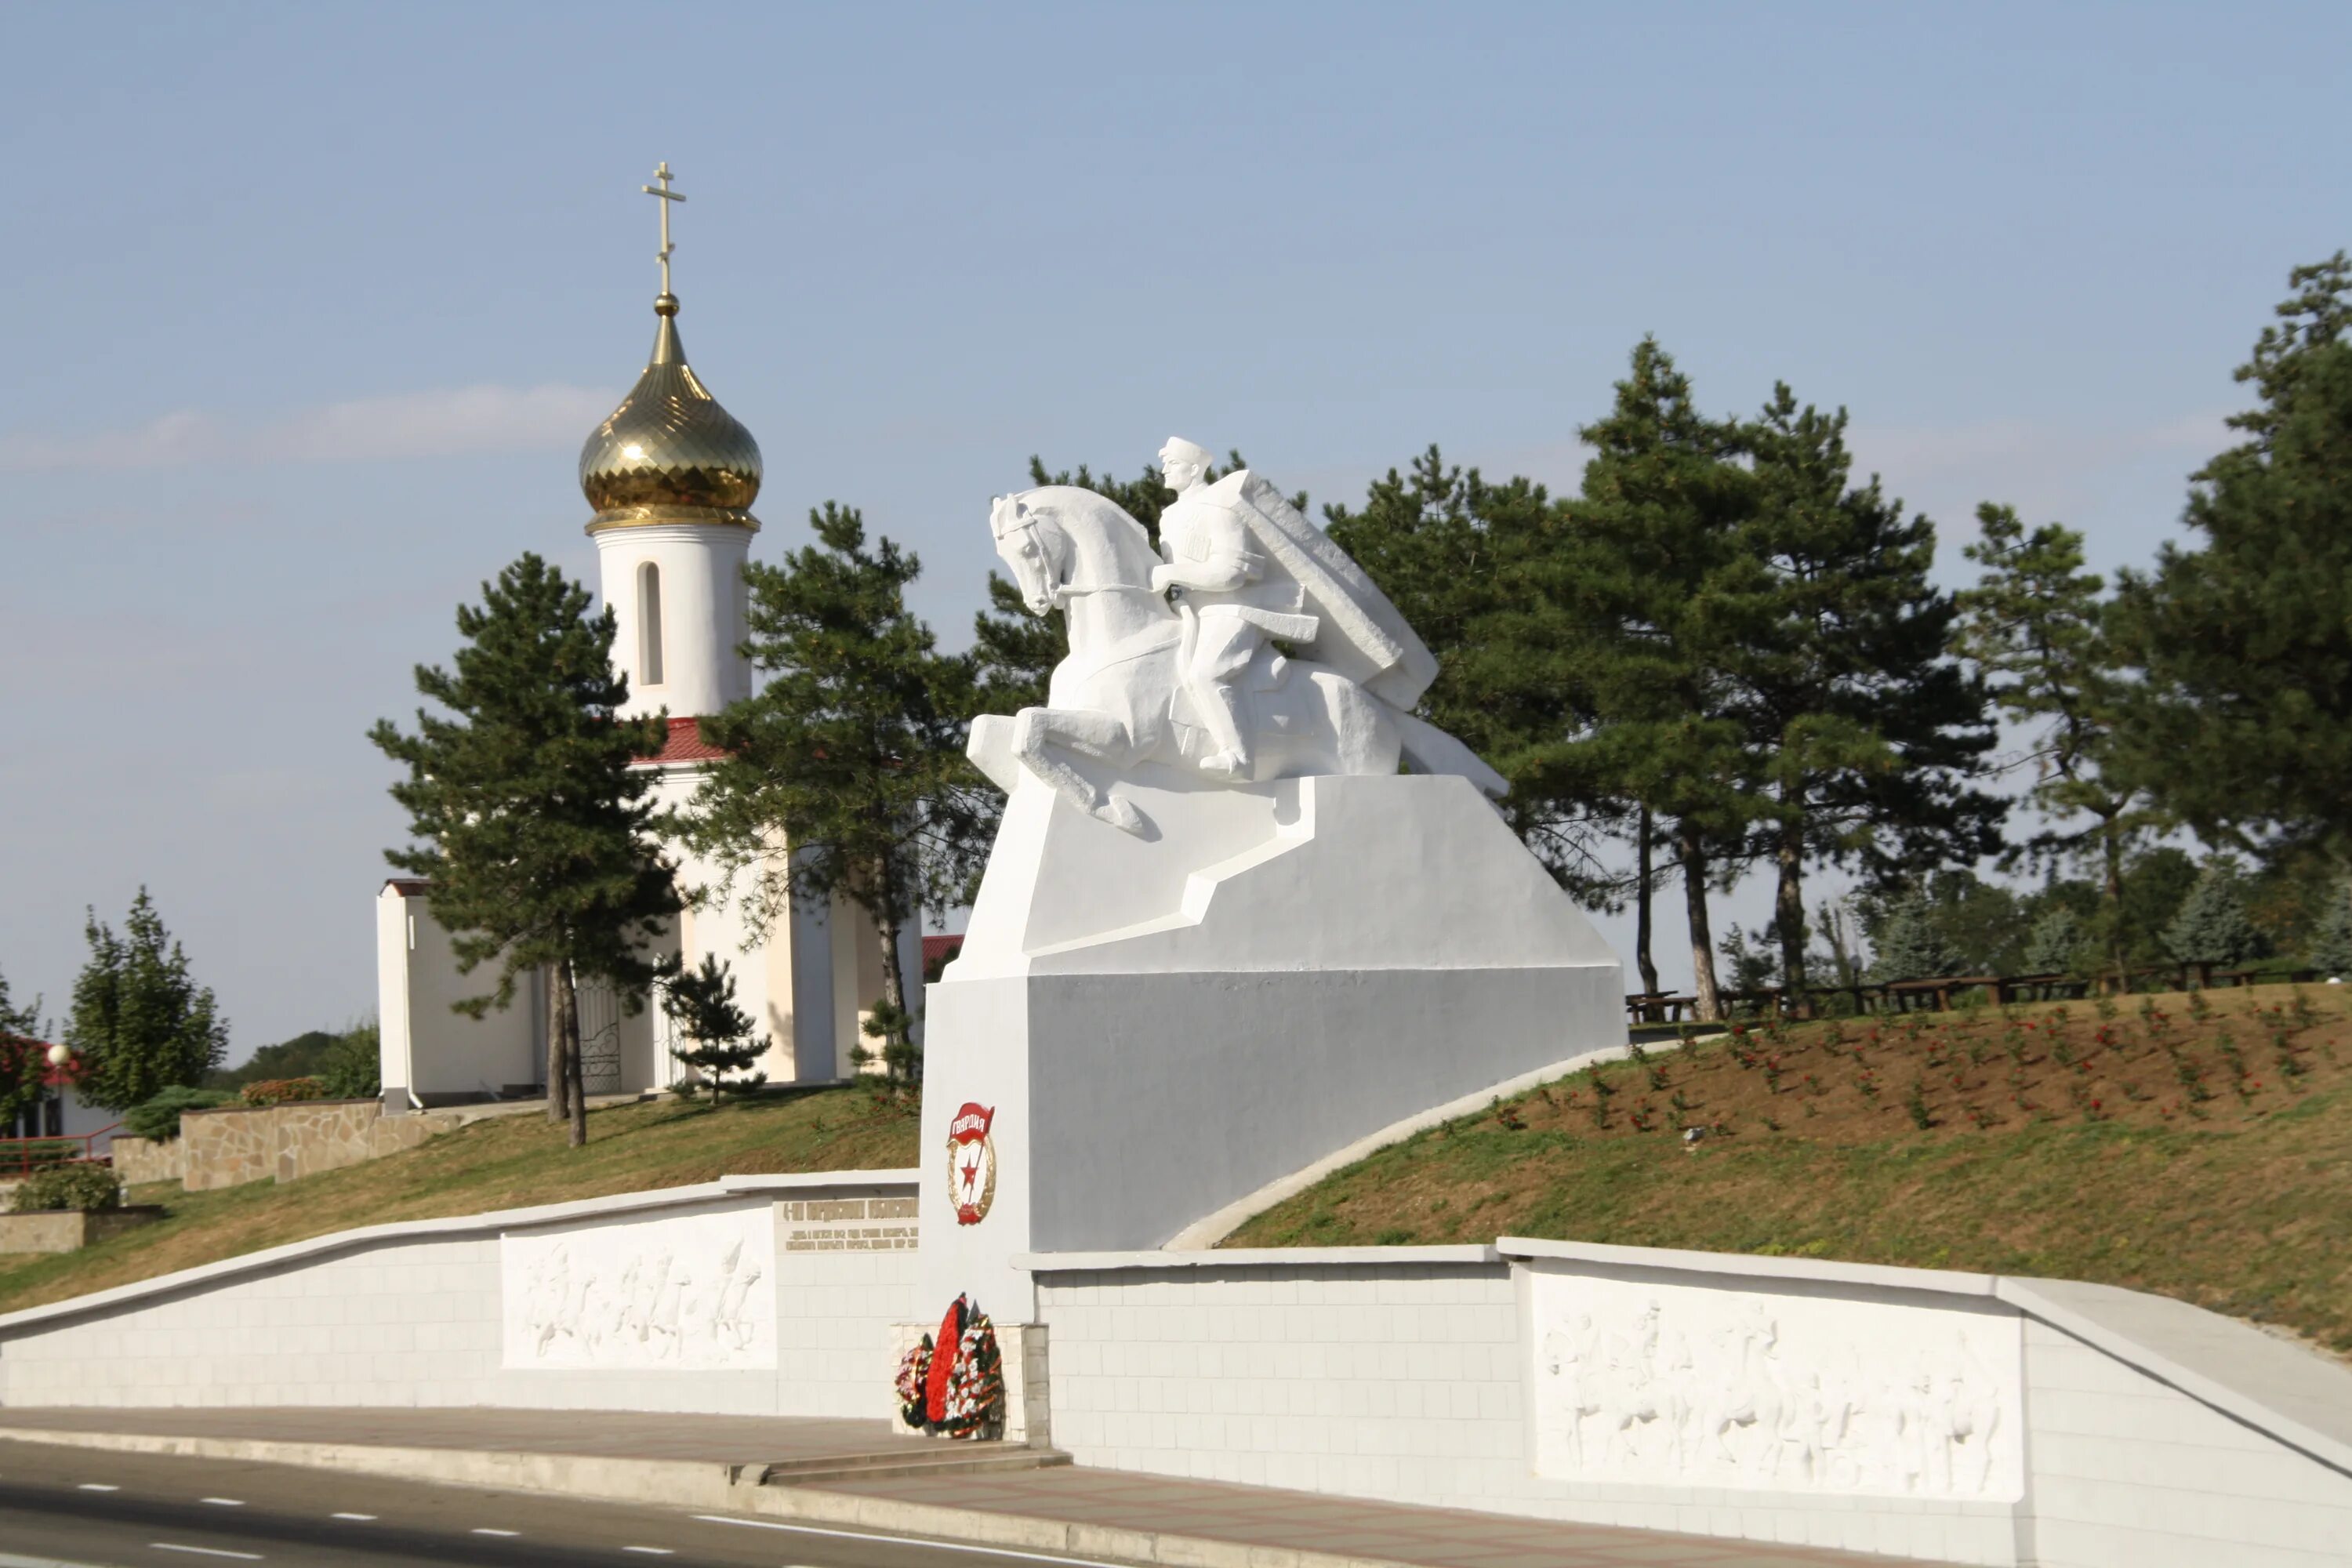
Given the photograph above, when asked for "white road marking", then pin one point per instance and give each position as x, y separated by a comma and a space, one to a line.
367, 1518
481, 1531
904, 1540
10, 1560
224, 1501
97, 1487
205, 1550
651, 1551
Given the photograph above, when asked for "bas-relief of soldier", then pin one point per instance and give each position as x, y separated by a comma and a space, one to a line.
1201, 684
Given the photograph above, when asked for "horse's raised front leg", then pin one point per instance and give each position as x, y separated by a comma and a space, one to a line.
1038, 731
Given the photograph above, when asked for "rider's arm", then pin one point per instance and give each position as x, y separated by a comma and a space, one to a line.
1230, 563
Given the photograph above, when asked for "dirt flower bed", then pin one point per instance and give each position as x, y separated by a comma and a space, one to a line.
2218, 1061
2195, 1145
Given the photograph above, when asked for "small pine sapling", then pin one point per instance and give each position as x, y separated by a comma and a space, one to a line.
718, 1034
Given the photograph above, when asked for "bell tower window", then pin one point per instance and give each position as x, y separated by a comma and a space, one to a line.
649, 625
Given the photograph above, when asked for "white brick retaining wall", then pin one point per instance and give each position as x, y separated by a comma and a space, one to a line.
1947, 1416
727, 1298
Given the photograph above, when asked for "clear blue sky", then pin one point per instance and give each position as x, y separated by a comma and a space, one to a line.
313, 305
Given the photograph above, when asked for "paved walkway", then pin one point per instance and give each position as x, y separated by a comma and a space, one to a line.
1237, 1518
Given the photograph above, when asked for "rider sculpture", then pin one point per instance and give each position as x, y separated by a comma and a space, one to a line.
1252, 648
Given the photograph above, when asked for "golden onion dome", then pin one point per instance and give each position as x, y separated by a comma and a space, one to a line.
669, 453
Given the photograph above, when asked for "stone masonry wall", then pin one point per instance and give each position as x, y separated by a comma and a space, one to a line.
231, 1146
138, 1159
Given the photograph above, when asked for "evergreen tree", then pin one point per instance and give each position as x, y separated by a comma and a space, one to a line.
2328, 949
535, 831
852, 754
2246, 717
701, 1004
2213, 926
140, 1022
1910, 946
1867, 730
1464, 563
2036, 625
24, 1059
2054, 943
1652, 578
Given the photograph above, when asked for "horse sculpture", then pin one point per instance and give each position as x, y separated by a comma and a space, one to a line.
1120, 697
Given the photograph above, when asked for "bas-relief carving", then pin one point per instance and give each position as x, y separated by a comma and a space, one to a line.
691, 1292
1720, 1388
1179, 658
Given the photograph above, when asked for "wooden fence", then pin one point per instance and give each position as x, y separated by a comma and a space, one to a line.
1942, 994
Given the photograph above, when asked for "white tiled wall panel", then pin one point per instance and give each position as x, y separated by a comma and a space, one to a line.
2126, 1469
418, 1323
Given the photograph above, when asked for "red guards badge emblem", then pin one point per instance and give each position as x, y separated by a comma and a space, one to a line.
972, 1163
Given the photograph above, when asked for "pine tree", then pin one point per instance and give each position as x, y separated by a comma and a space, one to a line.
2328, 949
2036, 625
1652, 581
701, 1005
2054, 943
24, 1059
2213, 927
852, 753
1910, 946
140, 1022
1867, 727
536, 833
2245, 719
1462, 560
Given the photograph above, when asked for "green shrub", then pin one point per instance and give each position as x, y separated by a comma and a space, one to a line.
159, 1117
353, 1066
282, 1091
81, 1186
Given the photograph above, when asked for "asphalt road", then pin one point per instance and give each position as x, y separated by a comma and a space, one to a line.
79, 1507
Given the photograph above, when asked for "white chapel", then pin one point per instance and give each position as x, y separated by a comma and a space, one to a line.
671, 476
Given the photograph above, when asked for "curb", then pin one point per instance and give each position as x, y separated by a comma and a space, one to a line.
703, 1484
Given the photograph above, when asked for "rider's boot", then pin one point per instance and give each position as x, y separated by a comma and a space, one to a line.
1229, 727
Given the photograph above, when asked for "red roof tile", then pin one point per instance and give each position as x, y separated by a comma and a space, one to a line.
936, 948
684, 744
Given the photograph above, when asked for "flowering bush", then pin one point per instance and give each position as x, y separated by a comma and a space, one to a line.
282, 1091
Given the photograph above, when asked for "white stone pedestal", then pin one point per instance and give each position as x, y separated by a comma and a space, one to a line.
1156, 1027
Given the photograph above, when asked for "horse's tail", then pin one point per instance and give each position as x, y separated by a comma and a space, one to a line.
1430, 750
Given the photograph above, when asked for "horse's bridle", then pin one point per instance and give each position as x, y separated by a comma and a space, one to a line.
1027, 524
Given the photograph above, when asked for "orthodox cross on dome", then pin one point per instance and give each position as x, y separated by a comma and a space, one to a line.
667, 195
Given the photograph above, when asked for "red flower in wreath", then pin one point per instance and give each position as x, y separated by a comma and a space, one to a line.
943, 1362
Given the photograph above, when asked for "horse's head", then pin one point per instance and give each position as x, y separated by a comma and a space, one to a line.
1059, 540
1031, 543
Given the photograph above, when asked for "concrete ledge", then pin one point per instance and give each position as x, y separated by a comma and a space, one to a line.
688, 1484
2278, 1389
730, 1188
1827, 1271
1467, 1254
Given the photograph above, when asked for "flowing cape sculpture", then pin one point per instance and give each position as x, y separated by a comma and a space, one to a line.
1201, 684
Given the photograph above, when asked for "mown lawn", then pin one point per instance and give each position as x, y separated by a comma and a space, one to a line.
2205, 1158
502, 1162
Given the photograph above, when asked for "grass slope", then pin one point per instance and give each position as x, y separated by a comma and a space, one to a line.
2198, 1148
501, 1162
